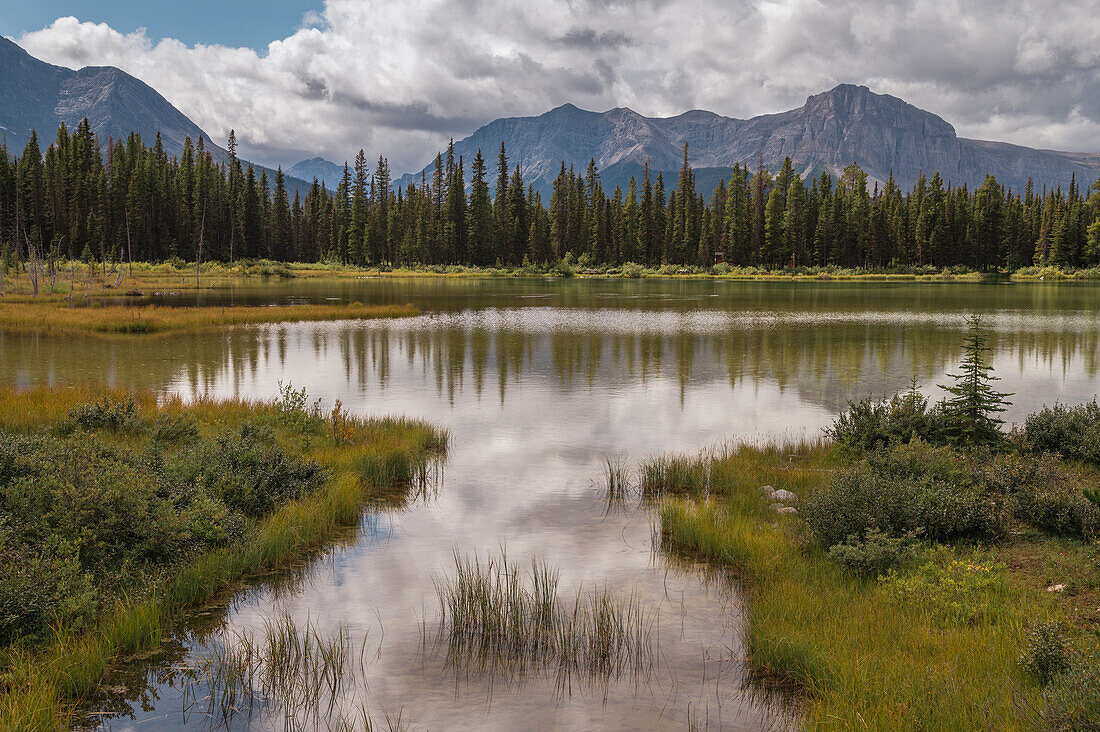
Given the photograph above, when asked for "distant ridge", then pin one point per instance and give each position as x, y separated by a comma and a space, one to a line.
831, 130
325, 171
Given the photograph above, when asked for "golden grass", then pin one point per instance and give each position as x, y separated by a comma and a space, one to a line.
864, 658
39, 688
55, 317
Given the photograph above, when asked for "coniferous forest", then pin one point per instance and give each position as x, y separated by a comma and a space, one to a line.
122, 200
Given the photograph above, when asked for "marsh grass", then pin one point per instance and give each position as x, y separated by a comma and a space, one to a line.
617, 484
504, 621
296, 671
293, 674
42, 685
59, 318
864, 654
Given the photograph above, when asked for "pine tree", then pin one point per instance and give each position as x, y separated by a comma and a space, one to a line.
280, 225
479, 216
502, 225
971, 409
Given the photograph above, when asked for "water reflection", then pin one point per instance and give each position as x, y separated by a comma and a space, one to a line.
825, 359
539, 383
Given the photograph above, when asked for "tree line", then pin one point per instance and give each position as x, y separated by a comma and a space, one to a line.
128, 201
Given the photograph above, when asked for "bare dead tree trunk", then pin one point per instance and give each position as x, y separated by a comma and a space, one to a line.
32, 259
129, 252
198, 256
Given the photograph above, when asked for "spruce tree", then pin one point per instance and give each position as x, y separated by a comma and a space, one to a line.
479, 216
971, 409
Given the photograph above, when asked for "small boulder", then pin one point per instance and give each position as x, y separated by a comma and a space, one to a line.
784, 495
767, 491
1056, 588
787, 509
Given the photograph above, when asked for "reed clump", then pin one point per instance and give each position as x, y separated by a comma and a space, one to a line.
498, 618
294, 670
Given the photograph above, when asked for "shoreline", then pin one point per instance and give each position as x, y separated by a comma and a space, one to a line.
364, 459
866, 648
88, 283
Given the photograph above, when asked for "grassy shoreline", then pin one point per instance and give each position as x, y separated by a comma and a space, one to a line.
55, 317
88, 282
864, 652
41, 683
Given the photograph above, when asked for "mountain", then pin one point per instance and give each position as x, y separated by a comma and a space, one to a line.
325, 171
40, 96
831, 130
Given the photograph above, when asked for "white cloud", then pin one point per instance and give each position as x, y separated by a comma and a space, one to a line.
399, 78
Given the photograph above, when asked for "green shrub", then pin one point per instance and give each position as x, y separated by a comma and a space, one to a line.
1058, 509
859, 500
912, 489
207, 522
869, 424
632, 271
1046, 652
1073, 432
106, 413
39, 589
86, 493
1071, 701
873, 554
170, 427
250, 473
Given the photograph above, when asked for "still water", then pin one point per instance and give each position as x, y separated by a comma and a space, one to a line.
538, 383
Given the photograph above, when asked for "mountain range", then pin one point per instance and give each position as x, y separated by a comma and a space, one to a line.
883, 134
846, 124
40, 96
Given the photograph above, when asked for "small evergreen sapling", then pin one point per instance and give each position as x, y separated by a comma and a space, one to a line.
973, 405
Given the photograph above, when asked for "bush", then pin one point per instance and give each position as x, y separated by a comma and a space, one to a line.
1060, 510
913, 489
1071, 701
85, 493
250, 473
37, 590
1072, 432
869, 424
632, 271
873, 554
175, 428
106, 413
1046, 652
858, 501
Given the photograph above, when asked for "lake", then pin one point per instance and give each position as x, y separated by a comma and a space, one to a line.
539, 383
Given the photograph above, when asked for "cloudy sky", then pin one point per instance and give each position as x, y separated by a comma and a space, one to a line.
303, 77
